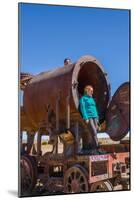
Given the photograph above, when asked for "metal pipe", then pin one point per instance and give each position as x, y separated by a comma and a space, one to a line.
68, 112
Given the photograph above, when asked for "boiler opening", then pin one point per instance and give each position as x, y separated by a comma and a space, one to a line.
91, 74
88, 75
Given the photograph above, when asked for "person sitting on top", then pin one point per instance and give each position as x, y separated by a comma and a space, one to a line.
67, 61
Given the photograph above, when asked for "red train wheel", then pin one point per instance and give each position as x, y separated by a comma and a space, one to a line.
76, 180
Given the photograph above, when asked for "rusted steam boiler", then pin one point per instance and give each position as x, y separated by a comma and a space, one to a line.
52, 99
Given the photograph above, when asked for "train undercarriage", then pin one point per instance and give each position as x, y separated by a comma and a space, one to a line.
53, 172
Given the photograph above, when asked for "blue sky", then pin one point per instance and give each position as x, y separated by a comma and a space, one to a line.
48, 34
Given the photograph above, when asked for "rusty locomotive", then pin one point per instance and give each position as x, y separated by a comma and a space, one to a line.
51, 107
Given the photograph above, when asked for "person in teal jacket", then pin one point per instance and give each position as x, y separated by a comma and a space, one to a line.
89, 113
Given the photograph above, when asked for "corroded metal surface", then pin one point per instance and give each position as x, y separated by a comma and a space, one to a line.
118, 112
25, 124
52, 99
43, 90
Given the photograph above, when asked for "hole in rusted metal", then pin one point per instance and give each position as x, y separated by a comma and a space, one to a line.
91, 74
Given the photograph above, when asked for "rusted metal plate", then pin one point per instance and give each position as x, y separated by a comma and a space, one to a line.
98, 168
25, 124
117, 116
101, 166
116, 158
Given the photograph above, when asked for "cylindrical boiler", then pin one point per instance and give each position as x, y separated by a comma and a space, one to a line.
65, 85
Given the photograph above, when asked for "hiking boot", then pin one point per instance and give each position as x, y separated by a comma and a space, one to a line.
101, 151
94, 152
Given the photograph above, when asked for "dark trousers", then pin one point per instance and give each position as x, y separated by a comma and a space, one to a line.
93, 127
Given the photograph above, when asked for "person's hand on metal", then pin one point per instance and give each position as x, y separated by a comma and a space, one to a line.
86, 121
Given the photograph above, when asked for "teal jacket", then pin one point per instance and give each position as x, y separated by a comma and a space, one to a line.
87, 107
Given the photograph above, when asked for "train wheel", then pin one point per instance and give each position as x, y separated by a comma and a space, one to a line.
28, 174
76, 180
101, 186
